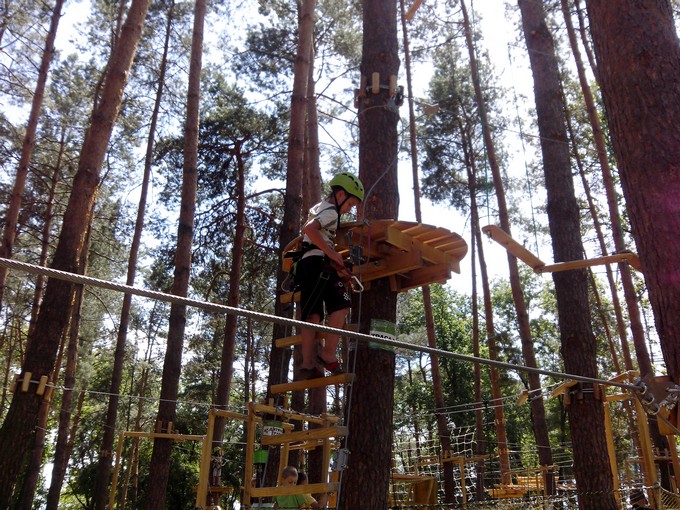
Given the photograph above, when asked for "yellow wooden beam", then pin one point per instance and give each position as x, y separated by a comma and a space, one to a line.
595, 261
513, 247
287, 414
519, 251
399, 262
288, 490
563, 387
312, 383
412, 10
289, 341
305, 435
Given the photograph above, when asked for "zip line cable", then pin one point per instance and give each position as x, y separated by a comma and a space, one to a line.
242, 312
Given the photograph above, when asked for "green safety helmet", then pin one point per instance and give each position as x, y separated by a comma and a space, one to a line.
350, 183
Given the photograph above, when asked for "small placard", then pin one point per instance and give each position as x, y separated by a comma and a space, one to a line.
383, 329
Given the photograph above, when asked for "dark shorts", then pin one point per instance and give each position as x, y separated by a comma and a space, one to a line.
319, 286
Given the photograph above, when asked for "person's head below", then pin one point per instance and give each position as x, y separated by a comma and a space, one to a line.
347, 191
289, 475
302, 478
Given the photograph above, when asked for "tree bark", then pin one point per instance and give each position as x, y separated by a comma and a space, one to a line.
109, 436
370, 419
540, 426
61, 449
228, 346
18, 428
637, 50
634, 318
442, 428
279, 359
586, 415
497, 397
172, 366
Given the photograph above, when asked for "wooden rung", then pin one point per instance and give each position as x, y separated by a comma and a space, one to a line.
312, 383
41, 385
221, 490
308, 445
519, 251
305, 435
513, 247
26, 381
288, 341
311, 488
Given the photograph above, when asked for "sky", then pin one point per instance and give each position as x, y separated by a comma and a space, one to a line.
506, 57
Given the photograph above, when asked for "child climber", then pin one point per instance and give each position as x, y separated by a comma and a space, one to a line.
321, 275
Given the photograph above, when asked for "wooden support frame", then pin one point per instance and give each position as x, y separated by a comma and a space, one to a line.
323, 437
519, 251
141, 435
206, 452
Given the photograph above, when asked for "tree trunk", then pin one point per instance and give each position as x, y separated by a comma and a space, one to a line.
279, 359
132, 475
290, 226
19, 425
311, 193
109, 436
641, 351
479, 412
497, 397
46, 229
540, 426
228, 346
172, 366
32, 476
16, 197
61, 450
442, 428
586, 415
638, 55
370, 419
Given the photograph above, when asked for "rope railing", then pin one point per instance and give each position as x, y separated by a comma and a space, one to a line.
260, 316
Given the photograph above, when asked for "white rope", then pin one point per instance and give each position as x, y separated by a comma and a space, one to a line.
242, 312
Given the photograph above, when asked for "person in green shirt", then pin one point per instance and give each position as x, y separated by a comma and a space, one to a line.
289, 477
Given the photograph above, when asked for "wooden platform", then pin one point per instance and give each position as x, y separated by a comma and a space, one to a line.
410, 254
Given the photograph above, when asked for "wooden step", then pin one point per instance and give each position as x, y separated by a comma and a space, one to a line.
312, 383
311, 488
288, 341
305, 435
222, 489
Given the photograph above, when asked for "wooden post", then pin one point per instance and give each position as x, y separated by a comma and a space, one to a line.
204, 473
114, 481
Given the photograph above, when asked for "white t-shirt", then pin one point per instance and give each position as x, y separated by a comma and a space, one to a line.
327, 215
